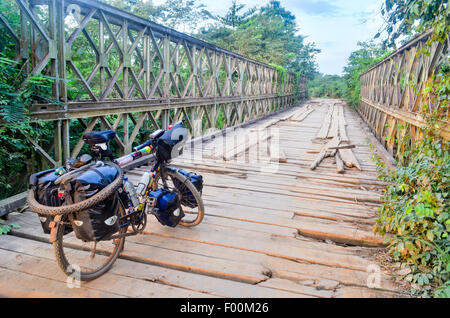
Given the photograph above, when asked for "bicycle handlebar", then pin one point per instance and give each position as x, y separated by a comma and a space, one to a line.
145, 144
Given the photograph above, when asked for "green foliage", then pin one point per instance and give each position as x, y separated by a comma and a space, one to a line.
178, 14
283, 76
14, 124
332, 86
181, 15
268, 34
234, 18
6, 228
406, 17
14, 96
359, 62
17, 91
416, 208
348, 86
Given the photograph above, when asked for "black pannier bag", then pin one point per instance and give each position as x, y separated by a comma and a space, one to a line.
188, 198
46, 193
101, 221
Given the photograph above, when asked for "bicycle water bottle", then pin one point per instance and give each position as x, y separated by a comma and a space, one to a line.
143, 184
129, 187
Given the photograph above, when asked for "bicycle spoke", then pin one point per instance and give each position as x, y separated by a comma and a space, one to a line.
187, 200
91, 259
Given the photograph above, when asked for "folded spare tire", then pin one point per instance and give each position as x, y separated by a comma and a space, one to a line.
76, 206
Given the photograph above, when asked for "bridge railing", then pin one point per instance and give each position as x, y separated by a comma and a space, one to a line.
390, 100
112, 69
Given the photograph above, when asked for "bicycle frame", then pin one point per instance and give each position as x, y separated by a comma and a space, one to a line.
125, 221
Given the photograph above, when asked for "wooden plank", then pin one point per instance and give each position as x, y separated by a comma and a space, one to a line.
342, 124
324, 152
286, 233
35, 259
159, 256
278, 156
348, 157
301, 115
243, 143
22, 285
13, 203
323, 132
334, 127
339, 164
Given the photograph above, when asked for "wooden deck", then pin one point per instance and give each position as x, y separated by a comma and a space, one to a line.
273, 228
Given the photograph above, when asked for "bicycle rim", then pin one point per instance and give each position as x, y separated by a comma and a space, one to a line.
85, 260
193, 215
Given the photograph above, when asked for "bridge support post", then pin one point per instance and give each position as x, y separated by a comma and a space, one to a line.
165, 119
126, 135
65, 139
196, 122
58, 143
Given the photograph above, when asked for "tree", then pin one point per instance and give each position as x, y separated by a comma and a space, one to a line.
406, 17
274, 9
269, 35
233, 18
181, 15
332, 86
360, 61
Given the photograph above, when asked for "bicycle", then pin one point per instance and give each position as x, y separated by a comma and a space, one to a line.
91, 259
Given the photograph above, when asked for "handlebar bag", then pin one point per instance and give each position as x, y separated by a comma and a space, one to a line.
100, 221
46, 193
170, 144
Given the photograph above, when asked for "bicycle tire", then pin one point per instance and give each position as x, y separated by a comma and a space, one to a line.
84, 205
196, 194
65, 265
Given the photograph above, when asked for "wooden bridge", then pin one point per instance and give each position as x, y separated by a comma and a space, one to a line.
291, 193
273, 228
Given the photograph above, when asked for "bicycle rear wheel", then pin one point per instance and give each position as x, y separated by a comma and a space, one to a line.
193, 209
86, 260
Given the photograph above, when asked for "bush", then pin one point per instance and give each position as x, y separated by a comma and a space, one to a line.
15, 150
416, 208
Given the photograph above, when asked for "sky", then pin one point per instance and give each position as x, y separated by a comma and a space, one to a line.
335, 26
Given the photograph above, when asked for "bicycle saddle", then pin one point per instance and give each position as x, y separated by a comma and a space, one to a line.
99, 137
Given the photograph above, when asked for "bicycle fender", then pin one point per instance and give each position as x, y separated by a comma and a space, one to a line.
54, 228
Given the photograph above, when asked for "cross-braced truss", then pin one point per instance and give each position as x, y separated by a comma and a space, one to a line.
390, 93
111, 69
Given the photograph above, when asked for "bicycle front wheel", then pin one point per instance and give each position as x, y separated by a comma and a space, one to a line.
193, 207
86, 260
